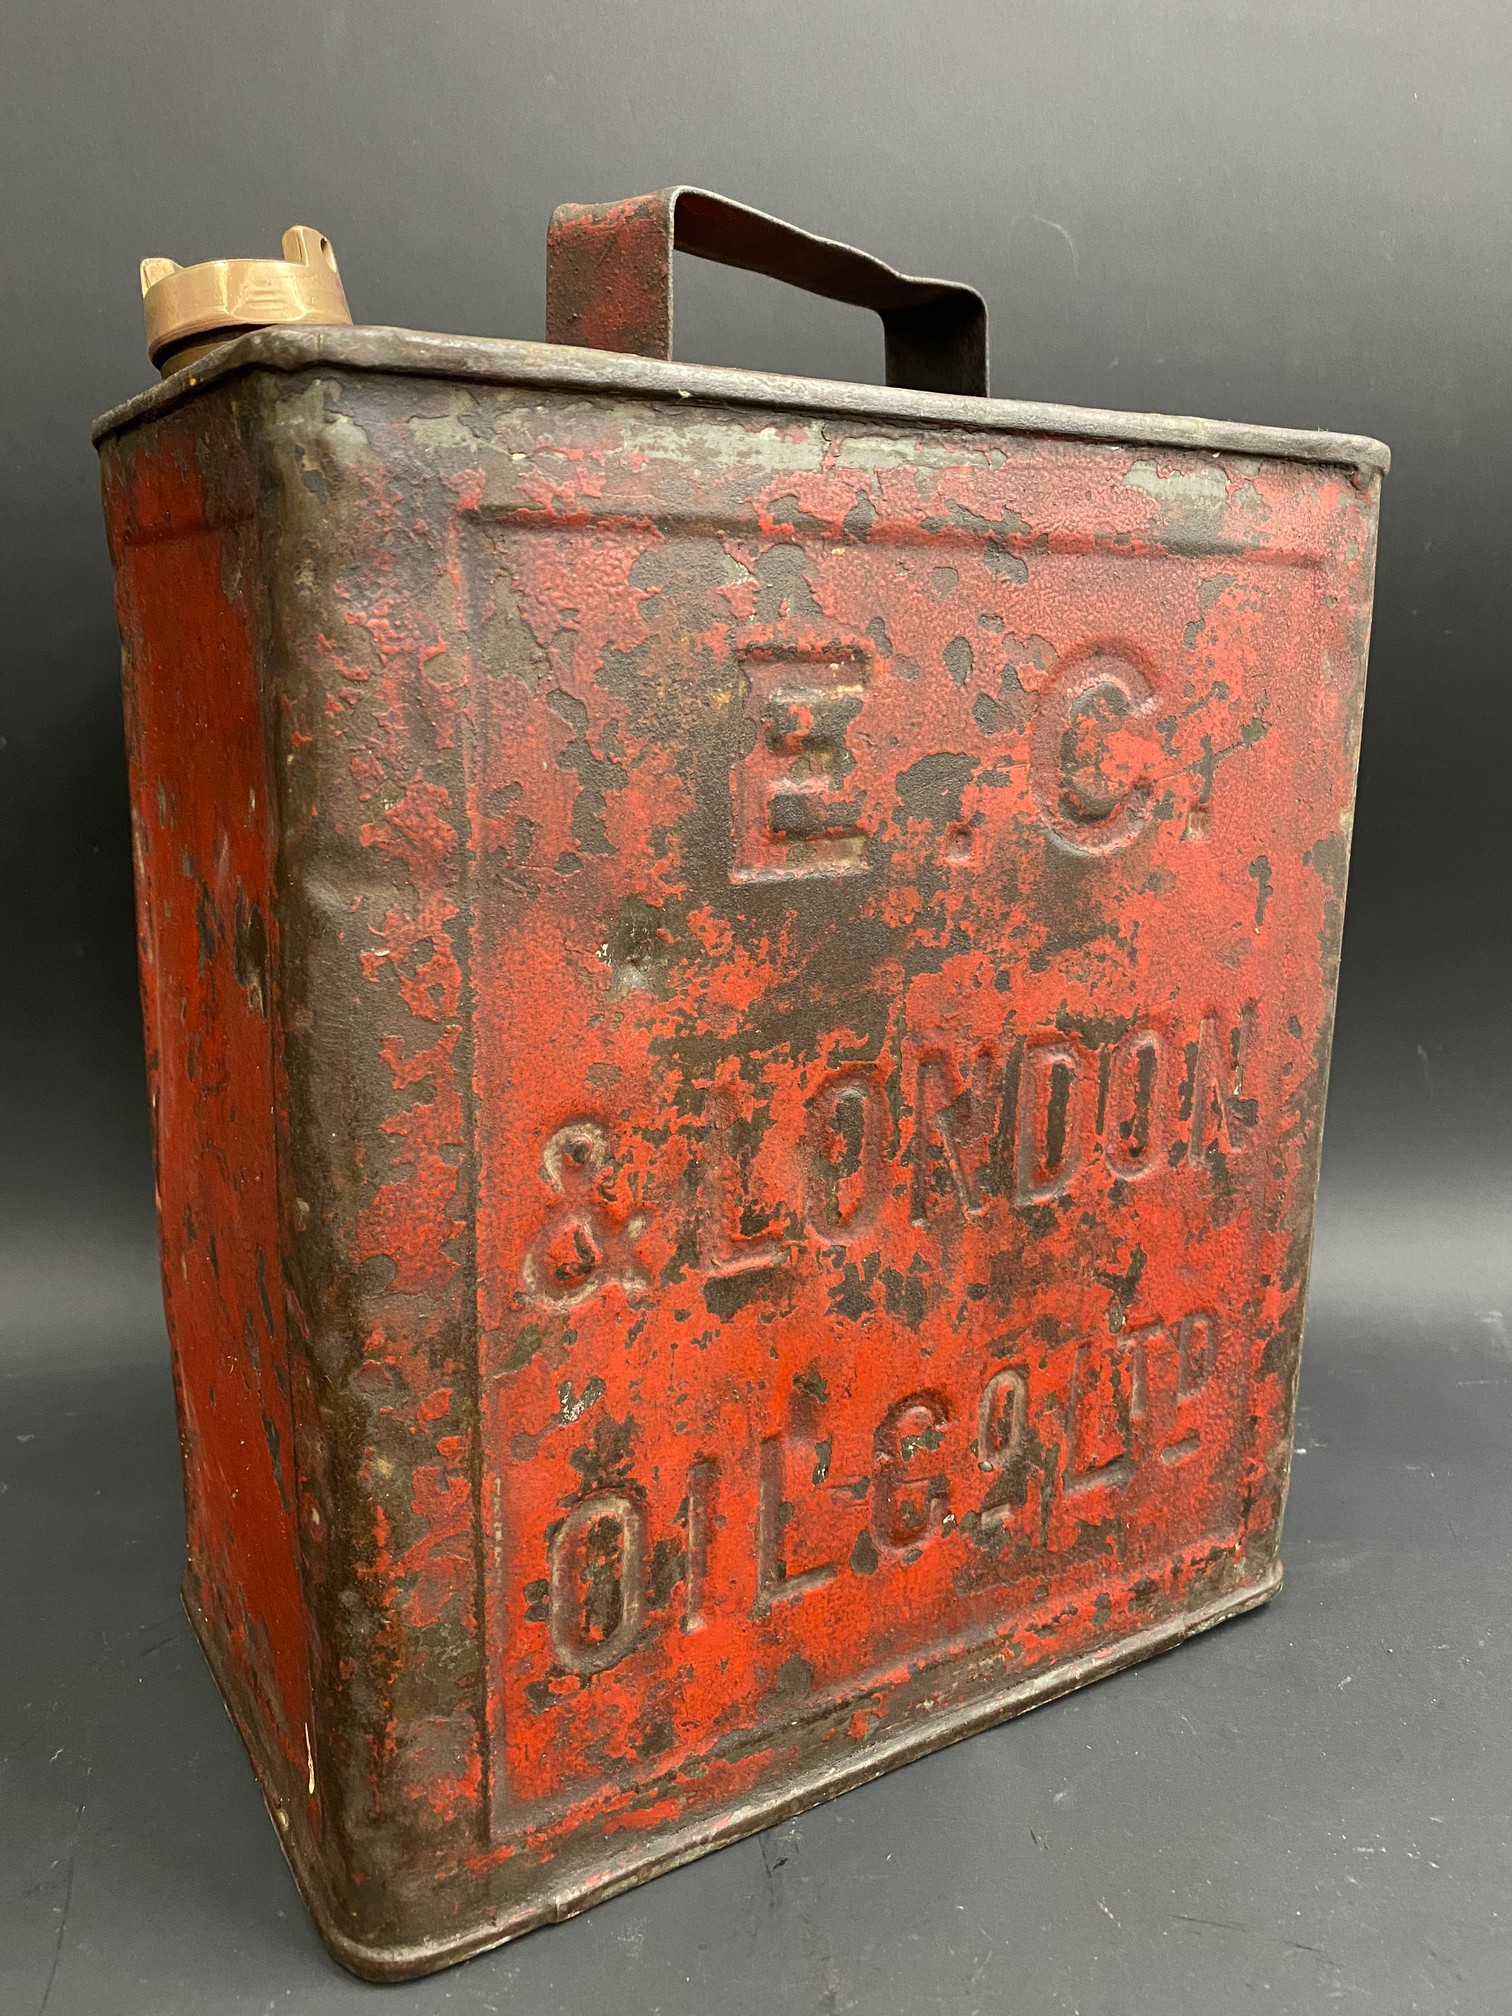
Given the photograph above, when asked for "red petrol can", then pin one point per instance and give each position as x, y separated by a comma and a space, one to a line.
738, 977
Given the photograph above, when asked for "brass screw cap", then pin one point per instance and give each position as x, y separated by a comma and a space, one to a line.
192, 309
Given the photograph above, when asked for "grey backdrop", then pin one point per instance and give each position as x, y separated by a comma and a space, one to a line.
1271, 212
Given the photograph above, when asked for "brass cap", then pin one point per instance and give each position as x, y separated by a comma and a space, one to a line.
192, 309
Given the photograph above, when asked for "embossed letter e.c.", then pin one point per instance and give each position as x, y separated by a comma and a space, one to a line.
793, 813
1092, 791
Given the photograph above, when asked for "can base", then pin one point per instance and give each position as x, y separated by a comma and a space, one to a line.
925, 1733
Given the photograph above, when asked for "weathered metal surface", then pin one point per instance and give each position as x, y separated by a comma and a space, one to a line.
739, 980
609, 273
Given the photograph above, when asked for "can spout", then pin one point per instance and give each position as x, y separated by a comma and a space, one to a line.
190, 310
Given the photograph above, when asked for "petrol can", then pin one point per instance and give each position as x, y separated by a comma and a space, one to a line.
738, 976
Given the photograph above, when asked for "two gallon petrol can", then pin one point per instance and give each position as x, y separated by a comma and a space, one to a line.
738, 976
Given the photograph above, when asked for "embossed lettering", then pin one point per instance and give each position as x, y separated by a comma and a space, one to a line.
597, 1587
1196, 1356
1127, 1408
846, 1133
1090, 773
1002, 1417
776, 1580
1006, 1122
1221, 1113
1055, 1096
703, 1477
793, 810
939, 1105
1107, 1405
1133, 1126
909, 1501
729, 1248
1198, 1340
581, 1248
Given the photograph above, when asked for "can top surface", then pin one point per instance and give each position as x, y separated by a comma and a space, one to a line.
503, 361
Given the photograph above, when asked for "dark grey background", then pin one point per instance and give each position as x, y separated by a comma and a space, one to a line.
1270, 212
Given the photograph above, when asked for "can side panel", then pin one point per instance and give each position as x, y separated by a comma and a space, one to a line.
183, 540
1336, 720
367, 709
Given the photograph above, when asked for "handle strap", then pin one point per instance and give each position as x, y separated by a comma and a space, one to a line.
609, 283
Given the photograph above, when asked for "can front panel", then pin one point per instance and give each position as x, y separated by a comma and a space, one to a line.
905, 884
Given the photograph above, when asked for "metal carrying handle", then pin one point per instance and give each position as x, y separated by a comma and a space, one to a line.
609, 283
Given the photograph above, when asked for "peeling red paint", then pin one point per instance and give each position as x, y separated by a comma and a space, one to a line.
207, 925
783, 1118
